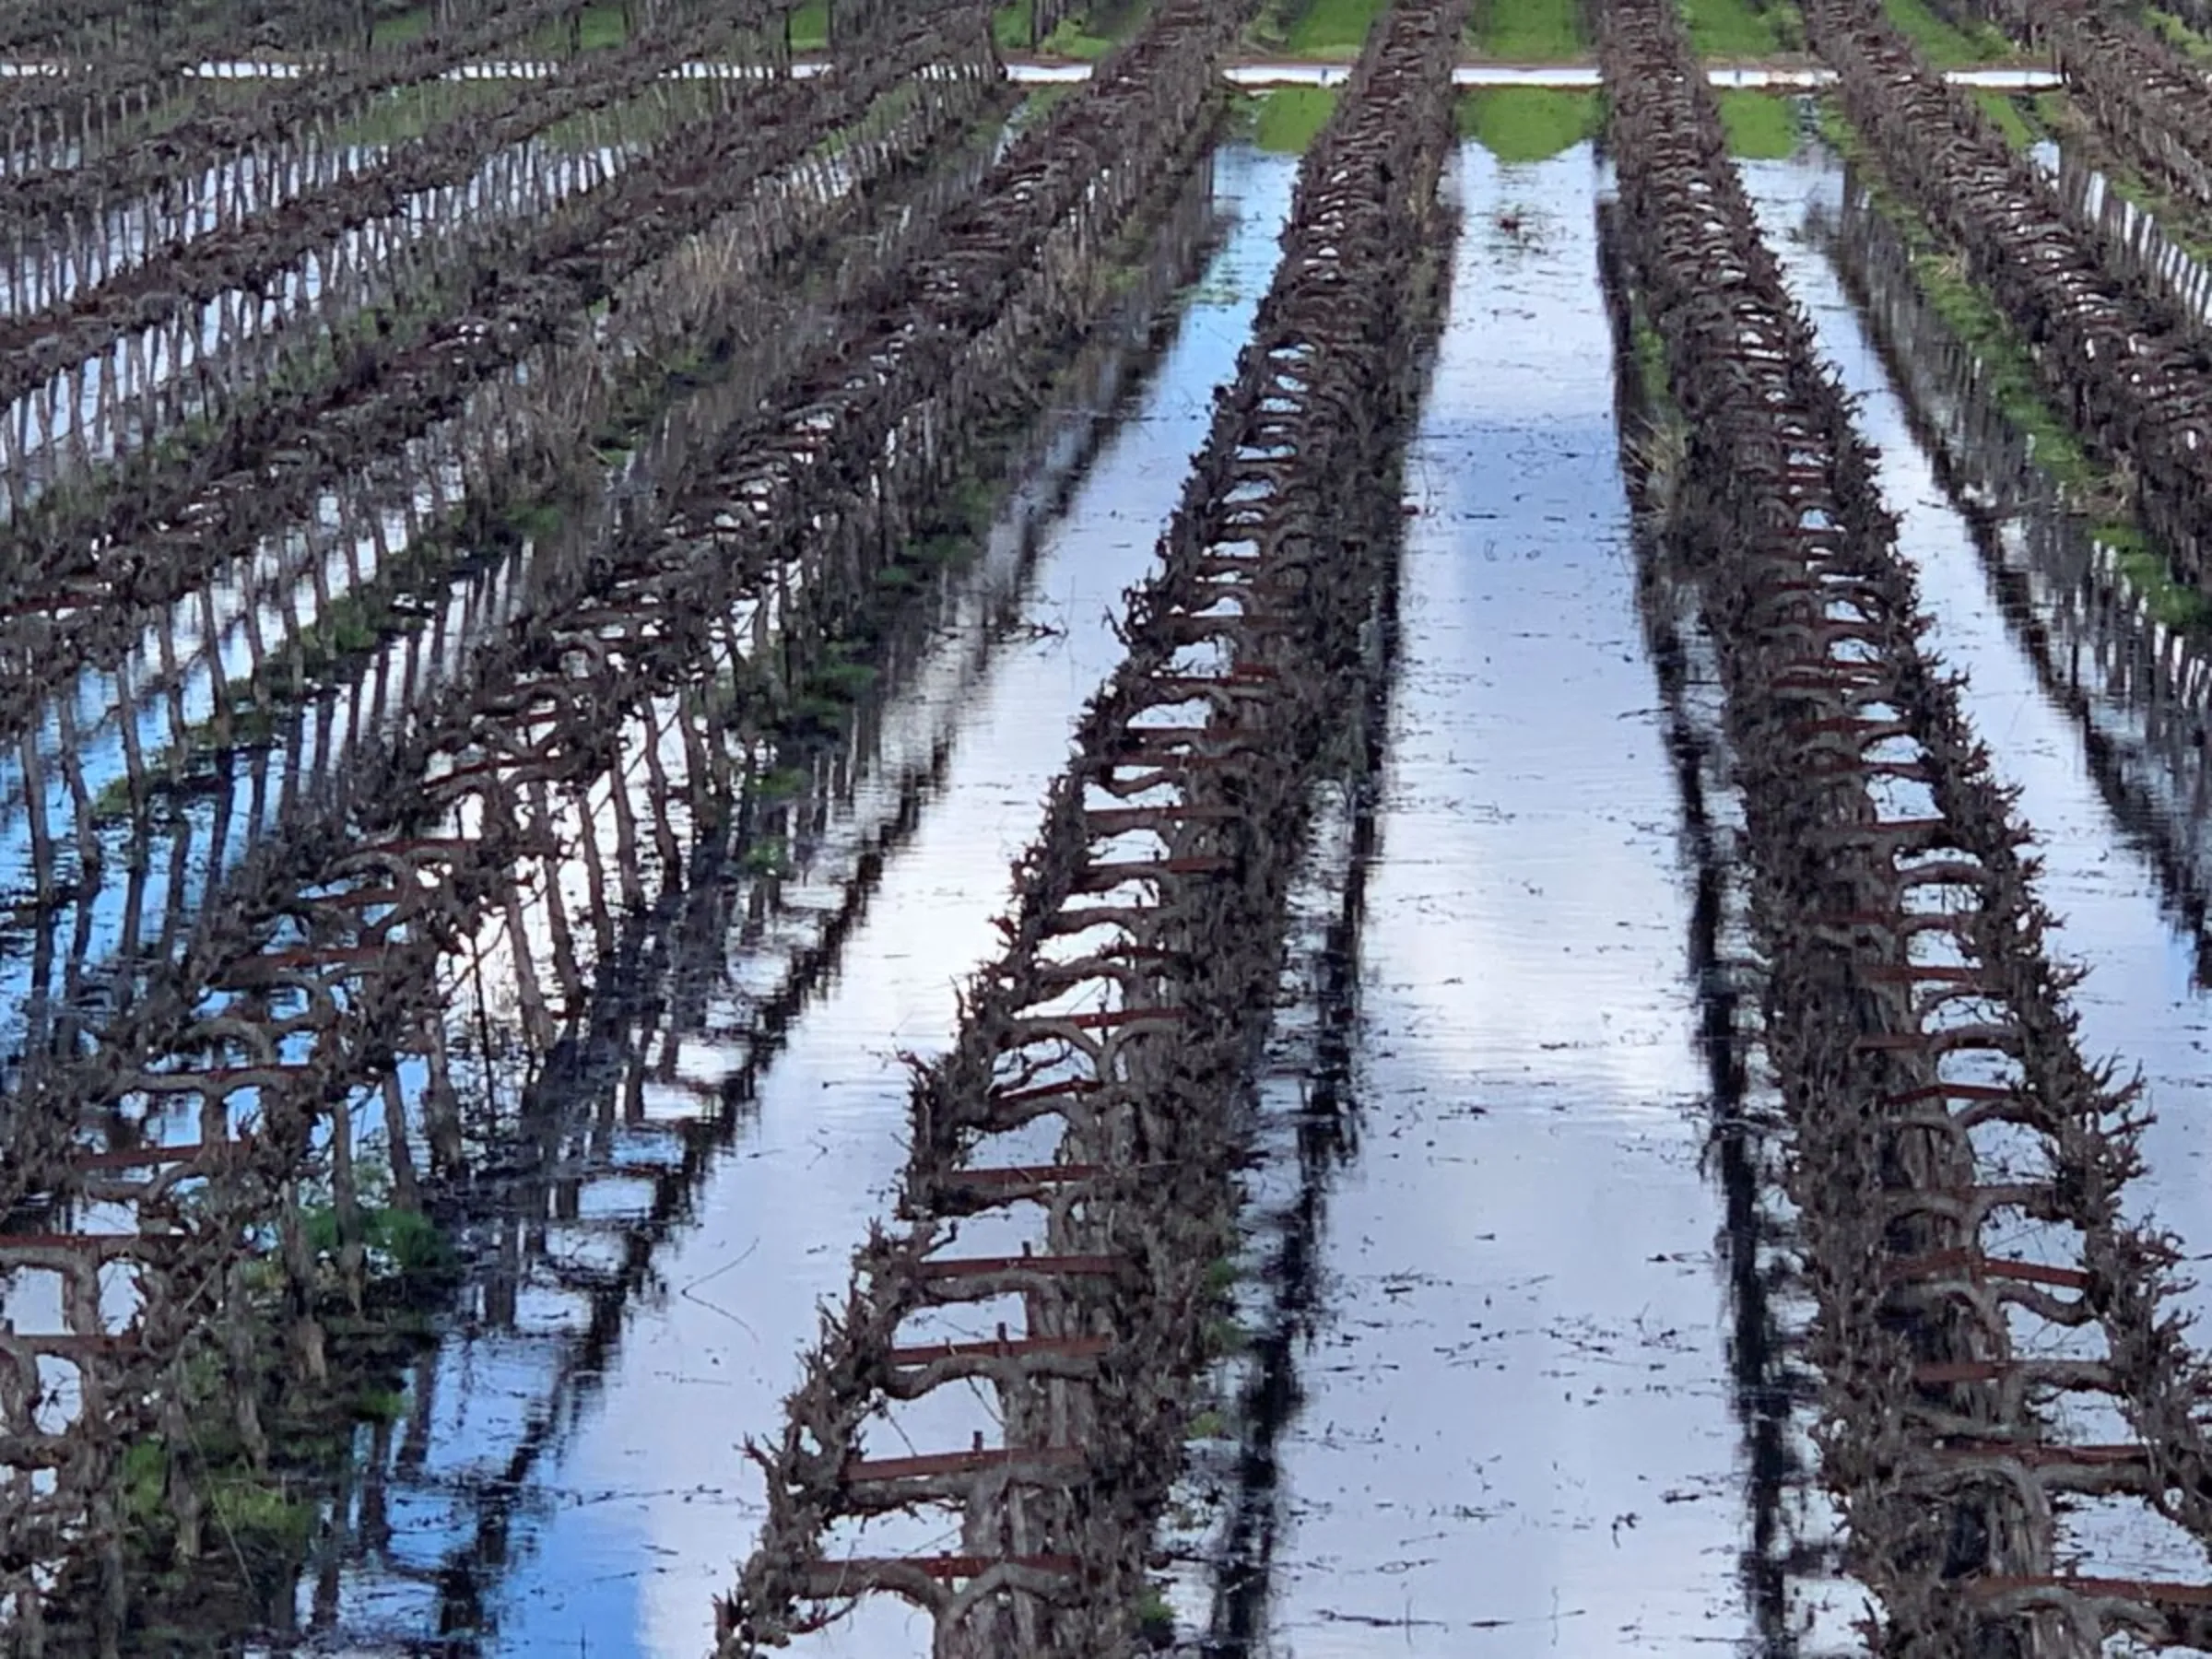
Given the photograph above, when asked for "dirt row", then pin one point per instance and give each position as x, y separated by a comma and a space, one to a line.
1918, 1032
2134, 376
1134, 988
316, 968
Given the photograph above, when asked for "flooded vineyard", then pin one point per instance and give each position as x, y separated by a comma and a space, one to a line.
817, 837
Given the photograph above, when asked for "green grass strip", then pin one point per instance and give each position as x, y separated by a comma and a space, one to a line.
1737, 29
1761, 126
1944, 44
2010, 379
601, 28
2178, 34
1529, 31
1290, 118
2012, 117
810, 27
1331, 29
1010, 25
1529, 123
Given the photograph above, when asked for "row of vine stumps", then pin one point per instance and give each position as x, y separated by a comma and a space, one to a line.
576, 624
455, 527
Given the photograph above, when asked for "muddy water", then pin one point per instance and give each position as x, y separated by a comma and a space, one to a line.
1517, 1430
565, 1475
2112, 832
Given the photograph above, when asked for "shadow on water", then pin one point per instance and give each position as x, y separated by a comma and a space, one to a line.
605, 1154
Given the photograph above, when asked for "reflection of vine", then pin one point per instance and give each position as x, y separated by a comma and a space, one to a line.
547, 756
654, 987
1327, 1124
1745, 1142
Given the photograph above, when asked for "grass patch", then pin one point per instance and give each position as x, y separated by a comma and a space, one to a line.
1331, 29
1944, 44
2178, 34
1529, 123
408, 1258
1529, 31
1089, 36
1650, 361
1760, 126
404, 112
2011, 117
2144, 568
396, 30
600, 28
809, 25
766, 856
1290, 118
1737, 29
1012, 25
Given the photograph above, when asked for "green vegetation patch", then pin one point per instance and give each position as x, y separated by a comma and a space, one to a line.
1529, 31
1290, 118
1946, 44
1012, 25
600, 28
391, 31
1529, 123
1331, 29
404, 112
809, 25
2013, 116
1761, 126
2178, 34
1739, 30
1088, 36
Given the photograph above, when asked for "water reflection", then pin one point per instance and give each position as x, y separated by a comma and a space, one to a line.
2092, 706
1789, 1562
1518, 1425
695, 1159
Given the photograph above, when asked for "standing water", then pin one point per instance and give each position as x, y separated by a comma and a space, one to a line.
2142, 1001
526, 1510
1517, 1431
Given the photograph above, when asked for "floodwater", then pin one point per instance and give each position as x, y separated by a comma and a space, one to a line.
1512, 1416
2060, 684
576, 1483
2144, 1001
1517, 1430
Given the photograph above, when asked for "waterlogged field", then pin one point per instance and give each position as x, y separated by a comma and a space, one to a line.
803, 852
